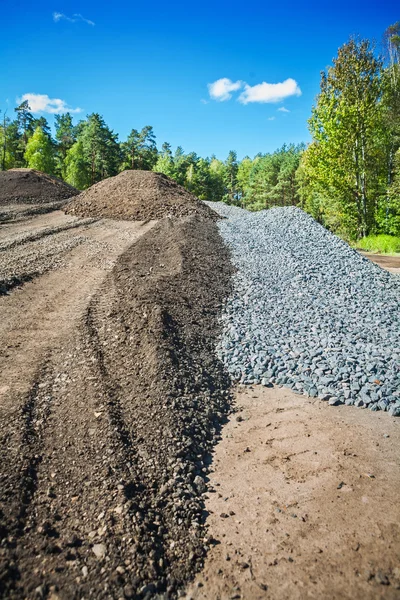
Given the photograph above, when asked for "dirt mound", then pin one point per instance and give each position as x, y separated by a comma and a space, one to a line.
30, 186
138, 195
104, 464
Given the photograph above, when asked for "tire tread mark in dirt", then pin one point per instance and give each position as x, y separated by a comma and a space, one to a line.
12, 526
134, 490
34, 237
112, 391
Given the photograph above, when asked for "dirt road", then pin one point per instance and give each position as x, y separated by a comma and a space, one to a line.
303, 502
389, 263
77, 255
65, 260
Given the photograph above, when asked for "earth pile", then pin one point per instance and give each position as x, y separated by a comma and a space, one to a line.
138, 195
111, 450
28, 186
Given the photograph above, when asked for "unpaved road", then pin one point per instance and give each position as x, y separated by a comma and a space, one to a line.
303, 502
389, 263
36, 317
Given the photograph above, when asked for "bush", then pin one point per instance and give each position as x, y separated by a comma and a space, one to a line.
385, 244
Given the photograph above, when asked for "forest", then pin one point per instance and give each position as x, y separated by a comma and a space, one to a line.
347, 177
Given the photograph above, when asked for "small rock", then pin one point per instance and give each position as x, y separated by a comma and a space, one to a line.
99, 550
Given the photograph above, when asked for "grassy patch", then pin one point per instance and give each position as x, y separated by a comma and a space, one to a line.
385, 244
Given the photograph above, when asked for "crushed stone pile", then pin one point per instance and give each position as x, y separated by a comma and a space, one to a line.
27, 186
308, 312
138, 195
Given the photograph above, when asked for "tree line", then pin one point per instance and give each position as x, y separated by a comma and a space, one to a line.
348, 177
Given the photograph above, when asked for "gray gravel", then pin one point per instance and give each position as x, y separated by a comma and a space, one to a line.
308, 312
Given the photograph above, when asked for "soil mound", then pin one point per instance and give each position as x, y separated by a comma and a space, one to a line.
20, 186
138, 195
142, 395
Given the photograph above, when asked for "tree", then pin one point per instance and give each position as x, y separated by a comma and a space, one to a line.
165, 163
25, 121
243, 176
65, 137
346, 163
43, 124
230, 178
217, 174
4, 142
100, 148
39, 153
140, 150
390, 216
76, 167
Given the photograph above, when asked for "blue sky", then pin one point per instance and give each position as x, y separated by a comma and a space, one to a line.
150, 63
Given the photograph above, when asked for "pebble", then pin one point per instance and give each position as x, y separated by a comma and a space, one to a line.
99, 550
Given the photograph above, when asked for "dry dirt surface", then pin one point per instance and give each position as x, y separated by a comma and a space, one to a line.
303, 502
28, 185
389, 263
138, 195
111, 399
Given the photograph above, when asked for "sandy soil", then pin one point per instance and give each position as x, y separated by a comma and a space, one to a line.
303, 502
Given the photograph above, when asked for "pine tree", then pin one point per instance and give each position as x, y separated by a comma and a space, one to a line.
230, 178
100, 148
65, 137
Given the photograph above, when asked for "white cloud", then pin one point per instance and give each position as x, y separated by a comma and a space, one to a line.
57, 16
271, 119
269, 92
283, 109
42, 103
203, 101
222, 88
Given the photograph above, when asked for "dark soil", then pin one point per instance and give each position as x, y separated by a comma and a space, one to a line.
30, 186
138, 195
104, 462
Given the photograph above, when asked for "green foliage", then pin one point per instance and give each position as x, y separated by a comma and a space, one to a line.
39, 153
25, 125
385, 244
140, 150
344, 172
230, 180
203, 177
271, 179
66, 137
76, 167
100, 148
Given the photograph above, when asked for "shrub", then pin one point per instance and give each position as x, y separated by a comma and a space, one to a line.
385, 244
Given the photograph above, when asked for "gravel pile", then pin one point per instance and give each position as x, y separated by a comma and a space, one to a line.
138, 195
308, 312
30, 186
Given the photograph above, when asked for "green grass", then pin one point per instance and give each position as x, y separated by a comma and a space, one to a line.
384, 244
